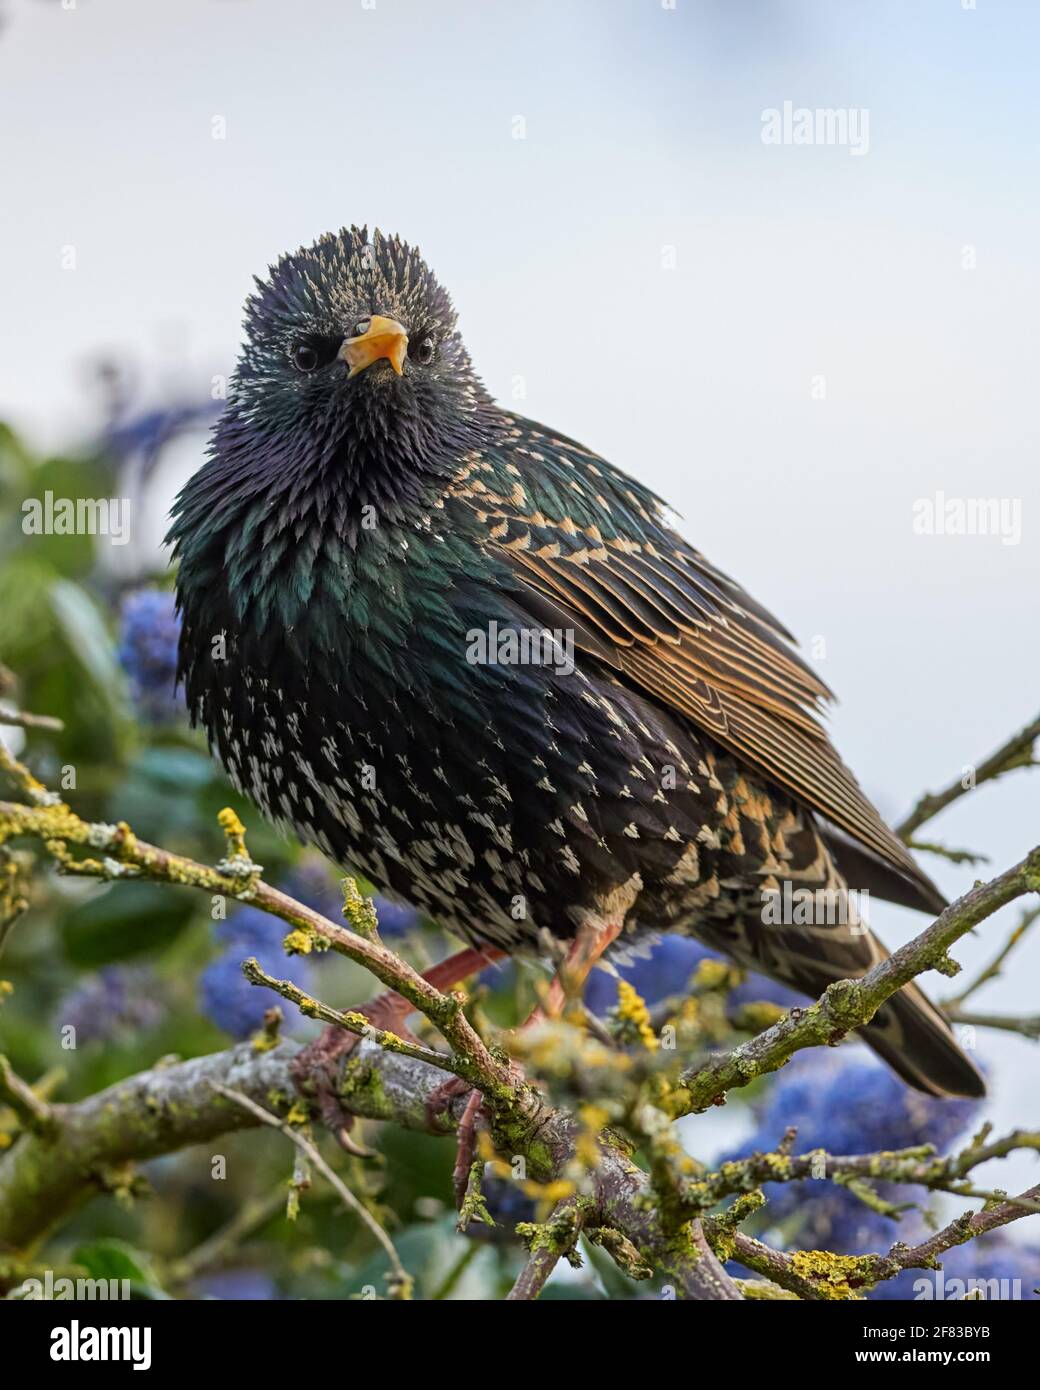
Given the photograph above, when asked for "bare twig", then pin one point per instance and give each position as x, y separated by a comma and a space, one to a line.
1027, 1026
992, 971
20, 719
1016, 752
216, 1249
401, 1283
955, 856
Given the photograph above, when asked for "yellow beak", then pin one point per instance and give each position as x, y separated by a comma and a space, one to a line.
382, 338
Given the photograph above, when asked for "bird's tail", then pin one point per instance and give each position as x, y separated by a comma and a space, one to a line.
908, 1031
911, 1035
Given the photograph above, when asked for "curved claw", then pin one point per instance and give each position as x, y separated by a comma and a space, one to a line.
351, 1146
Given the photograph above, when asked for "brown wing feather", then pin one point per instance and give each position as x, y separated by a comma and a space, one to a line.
676, 627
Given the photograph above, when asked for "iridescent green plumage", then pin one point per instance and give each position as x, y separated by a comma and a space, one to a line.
353, 541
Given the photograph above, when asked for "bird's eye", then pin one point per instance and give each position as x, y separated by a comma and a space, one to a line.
311, 353
422, 351
304, 357
362, 327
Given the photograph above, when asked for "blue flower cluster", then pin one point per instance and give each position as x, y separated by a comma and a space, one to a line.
225, 995
236, 1285
845, 1101
118, 1000
666, 970
848, 1103
395, 919
315, 884
148, 654
507, 1205
661, 969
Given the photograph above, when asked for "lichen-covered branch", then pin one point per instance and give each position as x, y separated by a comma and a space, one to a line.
597, 1090
959, 1231
548, 1242
96, 1142
53, 824
401, 1285
349, 1020
31, 1109
993, 969
919, 1166
93, 1144
782, 1269
817, 1274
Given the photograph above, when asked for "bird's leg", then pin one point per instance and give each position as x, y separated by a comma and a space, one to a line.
461, 965
320, 1061
593, 939
466, 1138
467, 1147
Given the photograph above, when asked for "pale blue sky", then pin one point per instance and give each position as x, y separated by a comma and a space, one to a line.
643, 131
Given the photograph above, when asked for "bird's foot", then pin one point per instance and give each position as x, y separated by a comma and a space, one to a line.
437, 1102
320, 1065
473, 1119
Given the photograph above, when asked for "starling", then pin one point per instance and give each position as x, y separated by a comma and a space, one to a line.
467, 657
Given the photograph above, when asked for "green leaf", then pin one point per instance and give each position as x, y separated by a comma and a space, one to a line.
114, 1259
160, 796
89, 640
70, 555
127, 919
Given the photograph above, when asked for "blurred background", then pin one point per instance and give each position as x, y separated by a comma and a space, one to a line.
792, 343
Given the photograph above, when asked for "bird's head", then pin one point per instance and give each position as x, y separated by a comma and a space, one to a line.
353, 367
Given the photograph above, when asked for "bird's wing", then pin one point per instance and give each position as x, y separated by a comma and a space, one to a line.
595, 547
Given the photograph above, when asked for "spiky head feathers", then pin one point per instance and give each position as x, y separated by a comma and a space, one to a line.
342, 279
353, 390
294, 381
353, 403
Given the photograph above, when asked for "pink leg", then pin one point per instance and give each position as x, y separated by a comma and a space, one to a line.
586, 949
592, 940
387, 1011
